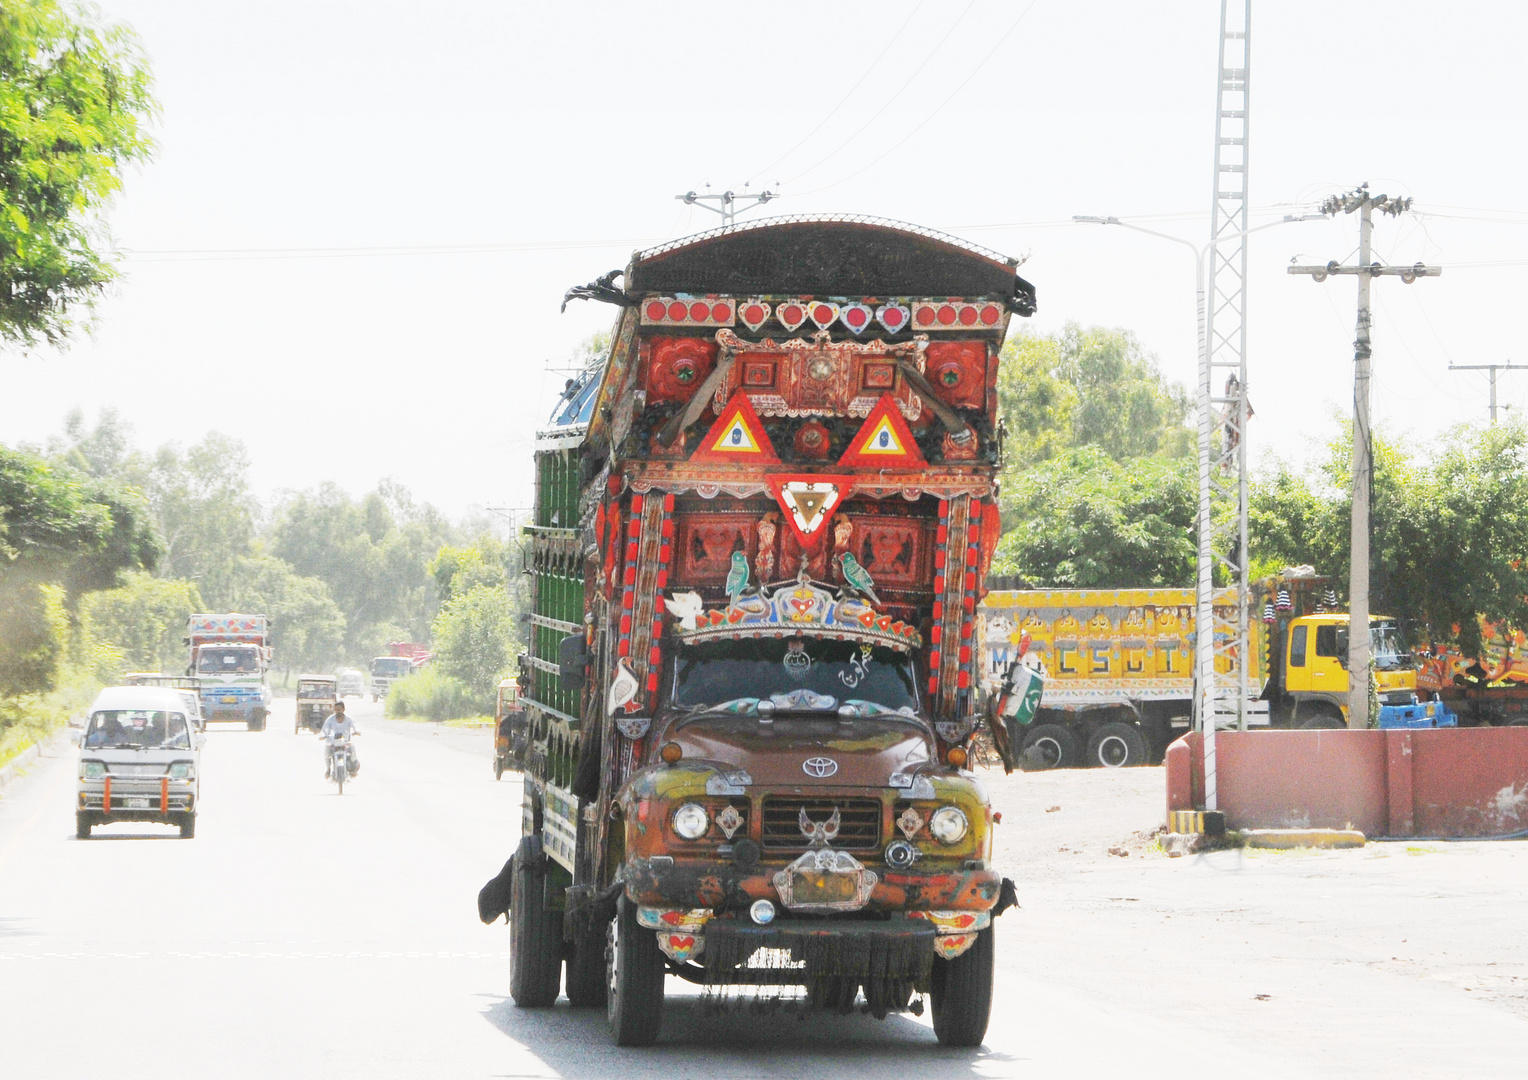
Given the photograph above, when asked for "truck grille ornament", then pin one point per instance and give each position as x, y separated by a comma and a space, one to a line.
820, 833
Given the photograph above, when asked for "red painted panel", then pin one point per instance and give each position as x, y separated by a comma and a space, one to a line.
1303, 779
958, 370
1470, 781
706, 543
675, 367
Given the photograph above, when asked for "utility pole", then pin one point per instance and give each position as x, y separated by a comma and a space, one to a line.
1363, 445
1493, 369
727, 202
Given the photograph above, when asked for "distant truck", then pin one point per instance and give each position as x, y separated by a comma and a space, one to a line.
1119, 664
403, 659
230, 656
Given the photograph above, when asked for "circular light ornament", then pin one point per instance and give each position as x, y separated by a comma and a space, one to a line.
762, 912
948, 825
900, 854
691, 821
671, 752
956, 756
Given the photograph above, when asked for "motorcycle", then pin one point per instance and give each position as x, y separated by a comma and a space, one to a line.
342, 762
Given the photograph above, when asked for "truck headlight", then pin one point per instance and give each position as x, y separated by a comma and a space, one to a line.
948, 825
94, 770
181, 770
691, 821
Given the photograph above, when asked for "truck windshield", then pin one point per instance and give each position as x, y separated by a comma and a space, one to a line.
1385, 647
318, 691
228, 661
395, 666
849, 673
138, 729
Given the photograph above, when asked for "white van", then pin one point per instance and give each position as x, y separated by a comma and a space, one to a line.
140, 758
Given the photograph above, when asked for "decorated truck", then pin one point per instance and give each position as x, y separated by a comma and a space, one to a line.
762, 524
403, 659
1119, 664
230, 655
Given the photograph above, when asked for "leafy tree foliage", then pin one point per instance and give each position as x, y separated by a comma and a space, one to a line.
61, 534
1086, 521
75, 97
307, 629
1449, 533
145, 619
474, 637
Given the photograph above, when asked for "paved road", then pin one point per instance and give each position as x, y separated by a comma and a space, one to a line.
304, 934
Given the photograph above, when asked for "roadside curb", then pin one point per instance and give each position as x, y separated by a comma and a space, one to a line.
1301, 838
17, 765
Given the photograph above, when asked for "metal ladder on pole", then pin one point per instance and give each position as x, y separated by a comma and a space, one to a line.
1226, 330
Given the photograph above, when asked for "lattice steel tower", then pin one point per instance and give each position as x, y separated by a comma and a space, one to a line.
1223, 379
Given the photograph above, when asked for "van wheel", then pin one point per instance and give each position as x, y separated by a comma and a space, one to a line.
634, 974
962, 994
1116, 746
82, 825
188, 827
535, 944
1050, 746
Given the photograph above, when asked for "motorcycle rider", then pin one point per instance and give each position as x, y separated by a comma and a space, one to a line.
338, 725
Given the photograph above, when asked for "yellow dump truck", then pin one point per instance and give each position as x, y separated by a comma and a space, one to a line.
1119, 664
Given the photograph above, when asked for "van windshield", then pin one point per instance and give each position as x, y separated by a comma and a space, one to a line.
796, 672
136, 729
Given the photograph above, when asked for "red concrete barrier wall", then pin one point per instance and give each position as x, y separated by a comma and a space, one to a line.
1433, 782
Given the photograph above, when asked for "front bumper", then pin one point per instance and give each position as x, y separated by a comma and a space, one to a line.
137, 799
704, 883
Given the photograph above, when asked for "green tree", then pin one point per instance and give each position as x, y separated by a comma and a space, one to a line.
63, 531
307, 628
145, 620
1086, 521
205, 510
460, 569
474, 639
75, 98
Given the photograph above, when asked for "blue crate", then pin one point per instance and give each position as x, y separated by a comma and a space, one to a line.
1428, 714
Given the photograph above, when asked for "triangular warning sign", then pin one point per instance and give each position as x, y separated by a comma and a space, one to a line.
884, 441
808, 502
737, 436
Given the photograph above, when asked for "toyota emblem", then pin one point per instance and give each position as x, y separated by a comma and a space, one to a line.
820, 767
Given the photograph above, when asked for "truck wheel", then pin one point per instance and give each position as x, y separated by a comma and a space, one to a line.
962, 994
82, 825
188, 826
1050, 746
1324, 718
585, 978
498, 768
374, 699
535, 944
1115, 746
634, 974
257, 722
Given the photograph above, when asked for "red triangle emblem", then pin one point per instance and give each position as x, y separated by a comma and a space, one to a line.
808, 502
737, 436
884, 441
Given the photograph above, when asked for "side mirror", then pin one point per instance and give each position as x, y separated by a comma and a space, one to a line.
76, 735
201, 741
572, 656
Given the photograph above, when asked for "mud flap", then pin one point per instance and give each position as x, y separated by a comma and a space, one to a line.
1007, 897
494, 898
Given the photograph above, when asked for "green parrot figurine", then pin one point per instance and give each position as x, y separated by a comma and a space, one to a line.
737, 577
859, 578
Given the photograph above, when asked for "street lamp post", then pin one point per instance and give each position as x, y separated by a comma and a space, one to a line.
1204, 591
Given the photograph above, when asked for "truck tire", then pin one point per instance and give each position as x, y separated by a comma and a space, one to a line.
962, 994
82, 823
634, 975
535, 944
257, 721
585, 969
1324, 717
1116, 746
187, 826
498, 767
1054, 746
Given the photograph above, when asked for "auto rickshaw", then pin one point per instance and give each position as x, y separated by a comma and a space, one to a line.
316, 695
509, 720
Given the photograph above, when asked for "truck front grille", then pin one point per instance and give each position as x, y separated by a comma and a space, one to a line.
859, 822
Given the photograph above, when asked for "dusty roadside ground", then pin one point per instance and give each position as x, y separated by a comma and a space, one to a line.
1421, 942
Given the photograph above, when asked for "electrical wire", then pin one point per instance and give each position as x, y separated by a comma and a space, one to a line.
938, 109
845, 99
878, 113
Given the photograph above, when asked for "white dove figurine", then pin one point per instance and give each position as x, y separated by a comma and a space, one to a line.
687, 607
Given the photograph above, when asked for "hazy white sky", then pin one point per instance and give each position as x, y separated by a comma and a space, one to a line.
513, 149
